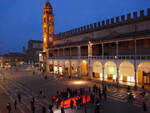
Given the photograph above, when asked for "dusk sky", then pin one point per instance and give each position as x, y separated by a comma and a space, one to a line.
21, 20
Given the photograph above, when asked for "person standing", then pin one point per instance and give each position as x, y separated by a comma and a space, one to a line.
77, 103
144, 106
8, 107
43, 109
85, 108
33, 100
53, 99
71, 104
62, 110
15, 104
50, 108
19, 97
43, 93
33, 72
32, 107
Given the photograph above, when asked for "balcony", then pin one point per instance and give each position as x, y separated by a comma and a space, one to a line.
121, 57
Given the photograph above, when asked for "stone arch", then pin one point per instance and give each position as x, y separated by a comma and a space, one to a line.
97, 69
110, 70
56, 67
126, 72
67, 67
74, 65
143, 73
84, 68
61, 67
50, 66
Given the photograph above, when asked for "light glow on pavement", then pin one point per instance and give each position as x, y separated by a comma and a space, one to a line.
79, 82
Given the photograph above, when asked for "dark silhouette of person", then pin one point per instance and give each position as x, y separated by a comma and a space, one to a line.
19, 97
8, 107
15, 104
71, 104
43, 109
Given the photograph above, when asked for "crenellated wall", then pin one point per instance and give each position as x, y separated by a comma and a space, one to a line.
111, 27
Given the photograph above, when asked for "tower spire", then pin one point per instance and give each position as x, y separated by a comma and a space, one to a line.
47, 0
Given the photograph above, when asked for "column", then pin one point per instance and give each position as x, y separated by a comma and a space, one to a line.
63, 52
103, 72
70, 51
47, 57
135, 63
90, 70
47, 53
103, 64
70, 68
90, 49
117, 50
79, 51
58, 68
64, 68
79, 72
53, 53
117, 79
53, 65
57, 52
102, 51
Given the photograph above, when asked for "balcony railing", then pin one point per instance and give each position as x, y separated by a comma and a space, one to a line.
120, 57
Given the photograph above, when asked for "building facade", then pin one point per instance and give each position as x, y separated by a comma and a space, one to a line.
116, 50
34, 48
10, 59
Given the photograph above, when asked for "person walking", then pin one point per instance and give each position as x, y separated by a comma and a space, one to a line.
50, 108
33, 100
43, 93
71, 104
8, 106
15, 104
144, 107
62, 110
40, 94
85, 108
19, 97
57, 103
33, 72
97, 107
77, 103
128, 88
53, 99
86, 99
43, 109
32, 106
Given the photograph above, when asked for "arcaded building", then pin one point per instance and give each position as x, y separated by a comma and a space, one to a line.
114, 50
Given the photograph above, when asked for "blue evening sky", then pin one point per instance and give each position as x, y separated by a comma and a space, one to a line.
21, 20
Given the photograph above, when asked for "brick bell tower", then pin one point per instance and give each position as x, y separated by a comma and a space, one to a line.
48, 26
48, 31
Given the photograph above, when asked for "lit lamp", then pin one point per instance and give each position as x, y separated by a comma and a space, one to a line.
100, 75
114, 77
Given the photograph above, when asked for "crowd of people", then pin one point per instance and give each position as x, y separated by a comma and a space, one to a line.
97, 95
91, 95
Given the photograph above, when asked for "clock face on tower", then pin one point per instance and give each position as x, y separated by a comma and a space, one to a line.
50, 39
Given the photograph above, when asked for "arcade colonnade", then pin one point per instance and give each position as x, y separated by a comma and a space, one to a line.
118, 71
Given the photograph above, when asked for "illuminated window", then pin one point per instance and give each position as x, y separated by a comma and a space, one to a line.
105, 76
130, 79
114, 77
101, 75
121, 78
